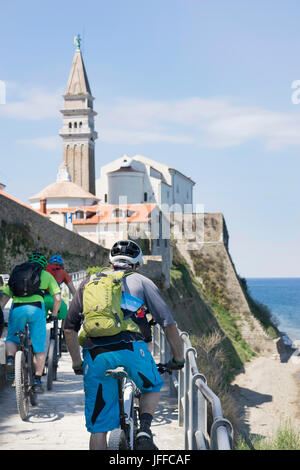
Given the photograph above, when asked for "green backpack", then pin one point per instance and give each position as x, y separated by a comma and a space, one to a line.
102, 311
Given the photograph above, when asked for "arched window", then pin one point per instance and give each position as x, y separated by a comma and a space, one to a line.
80, 125
75, 125
145, 197
70, 125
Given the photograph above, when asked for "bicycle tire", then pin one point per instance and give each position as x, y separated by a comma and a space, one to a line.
57, 356
21, 383
60, 339
51, 365
117, 440
32, 394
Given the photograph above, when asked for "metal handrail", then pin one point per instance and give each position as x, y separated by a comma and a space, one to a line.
193, 394
77, 278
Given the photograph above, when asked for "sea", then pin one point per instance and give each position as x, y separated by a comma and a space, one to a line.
282, 296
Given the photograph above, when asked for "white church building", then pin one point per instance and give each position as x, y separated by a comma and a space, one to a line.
140, 179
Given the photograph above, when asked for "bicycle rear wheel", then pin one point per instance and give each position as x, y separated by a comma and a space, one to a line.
117, 440
51, 374
21, 382
32, 394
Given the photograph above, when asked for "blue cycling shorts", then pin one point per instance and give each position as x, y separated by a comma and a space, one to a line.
101, 392
36, 319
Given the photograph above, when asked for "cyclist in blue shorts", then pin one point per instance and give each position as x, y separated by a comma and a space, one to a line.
30, 309
126, 348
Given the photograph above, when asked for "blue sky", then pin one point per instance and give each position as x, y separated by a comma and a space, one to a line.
204, 86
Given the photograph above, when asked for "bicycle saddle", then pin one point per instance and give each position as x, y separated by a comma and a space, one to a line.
118, 373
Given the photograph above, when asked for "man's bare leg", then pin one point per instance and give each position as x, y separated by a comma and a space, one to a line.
39, 362
11, 349
149, 402
98, 441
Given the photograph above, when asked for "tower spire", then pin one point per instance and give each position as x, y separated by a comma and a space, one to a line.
78, 80
78, 131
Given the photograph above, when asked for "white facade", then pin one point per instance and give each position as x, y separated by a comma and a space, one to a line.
64, 202
129, 183
143, 180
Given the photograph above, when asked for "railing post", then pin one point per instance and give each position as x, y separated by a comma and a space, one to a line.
155, 339
188, 399
181, 386
180, 397
162, 347
198, 415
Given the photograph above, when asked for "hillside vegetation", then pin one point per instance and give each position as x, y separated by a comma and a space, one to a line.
201, 306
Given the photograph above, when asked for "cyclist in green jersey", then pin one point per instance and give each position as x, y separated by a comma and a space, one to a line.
30, 309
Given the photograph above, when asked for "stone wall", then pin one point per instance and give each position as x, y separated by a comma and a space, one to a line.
212, 265
199, 228
23, 230
155, 268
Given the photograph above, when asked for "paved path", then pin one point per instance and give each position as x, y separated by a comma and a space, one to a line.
57, 422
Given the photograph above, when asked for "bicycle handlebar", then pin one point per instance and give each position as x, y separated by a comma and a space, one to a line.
51, 318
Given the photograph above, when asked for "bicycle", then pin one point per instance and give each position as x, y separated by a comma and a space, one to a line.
54, 351
24, 374
123, 438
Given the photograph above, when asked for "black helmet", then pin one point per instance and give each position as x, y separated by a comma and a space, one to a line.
128, 251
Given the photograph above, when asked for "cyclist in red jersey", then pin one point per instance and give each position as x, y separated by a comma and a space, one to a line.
56, 268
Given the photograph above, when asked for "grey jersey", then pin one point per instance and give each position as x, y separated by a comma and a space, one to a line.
135, 284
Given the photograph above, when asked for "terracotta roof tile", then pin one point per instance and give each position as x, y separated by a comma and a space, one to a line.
21, 203
103, 213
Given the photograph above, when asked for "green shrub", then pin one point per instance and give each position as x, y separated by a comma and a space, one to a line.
285, 438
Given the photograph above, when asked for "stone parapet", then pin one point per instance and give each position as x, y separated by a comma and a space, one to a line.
23, 230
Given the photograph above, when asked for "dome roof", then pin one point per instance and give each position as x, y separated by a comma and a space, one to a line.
64, 189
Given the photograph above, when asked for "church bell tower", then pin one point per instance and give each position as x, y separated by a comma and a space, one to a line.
78, 131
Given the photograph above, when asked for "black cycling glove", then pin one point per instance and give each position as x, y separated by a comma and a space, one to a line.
175, 365
78, 368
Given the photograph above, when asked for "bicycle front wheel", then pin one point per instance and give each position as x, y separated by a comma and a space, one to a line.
21, 382
117, 440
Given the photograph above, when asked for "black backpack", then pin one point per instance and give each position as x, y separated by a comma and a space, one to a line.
25, 280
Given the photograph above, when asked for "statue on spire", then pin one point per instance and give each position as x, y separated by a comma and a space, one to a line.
77, 41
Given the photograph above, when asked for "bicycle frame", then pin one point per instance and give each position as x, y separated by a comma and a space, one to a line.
128, 391
25, 343
54, 334
53, 353
128, 403
126, 395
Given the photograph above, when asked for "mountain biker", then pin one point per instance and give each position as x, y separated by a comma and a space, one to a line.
31, 310
127, 349
56, 268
